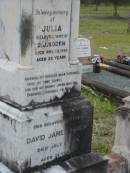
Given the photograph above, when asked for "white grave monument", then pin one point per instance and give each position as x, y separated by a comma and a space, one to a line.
37, 53
42, 116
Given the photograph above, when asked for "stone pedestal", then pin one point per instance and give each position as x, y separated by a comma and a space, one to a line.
86, 163
36, 137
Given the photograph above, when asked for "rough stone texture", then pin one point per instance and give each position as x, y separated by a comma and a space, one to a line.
58, 130
4, 169
21, 21
40, 86
43, 119
86, 163
37, 51
87, 68
117, 164
122, 137
126, 100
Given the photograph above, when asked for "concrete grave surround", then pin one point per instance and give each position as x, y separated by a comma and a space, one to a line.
43, 119
31, 138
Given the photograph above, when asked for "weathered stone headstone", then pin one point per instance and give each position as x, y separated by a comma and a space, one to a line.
83, 48
122, 135
42, 116
84, 53
37, 48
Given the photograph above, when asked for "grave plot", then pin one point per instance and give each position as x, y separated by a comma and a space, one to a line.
108, 82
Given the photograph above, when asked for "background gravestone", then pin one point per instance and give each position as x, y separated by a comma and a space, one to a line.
43, 119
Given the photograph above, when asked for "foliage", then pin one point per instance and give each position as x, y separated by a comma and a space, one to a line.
100, 102
116, 3
104, 121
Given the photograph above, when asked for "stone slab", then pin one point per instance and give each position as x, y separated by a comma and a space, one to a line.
87, 68
4, 169
83, 48
51, 37
87, 163
58, 130
33, 33
27, 85
117, 164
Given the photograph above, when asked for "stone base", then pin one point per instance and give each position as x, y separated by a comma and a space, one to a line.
29, 87
122, 137
87, 163
117, 164
48, 134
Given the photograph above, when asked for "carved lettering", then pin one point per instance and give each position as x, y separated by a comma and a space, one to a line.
35, 139
51, 28
56, 134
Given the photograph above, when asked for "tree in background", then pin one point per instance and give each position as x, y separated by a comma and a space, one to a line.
86, 2
83, 1
116, 4
97, 2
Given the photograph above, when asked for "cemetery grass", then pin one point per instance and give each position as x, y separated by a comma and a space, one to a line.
108, 35
104, 10
104, 121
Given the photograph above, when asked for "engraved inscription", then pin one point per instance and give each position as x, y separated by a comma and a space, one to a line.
51, 83
35, 139
56, 134
51, 33
50, 135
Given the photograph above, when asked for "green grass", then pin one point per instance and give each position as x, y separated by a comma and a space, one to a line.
106, 32
104, 121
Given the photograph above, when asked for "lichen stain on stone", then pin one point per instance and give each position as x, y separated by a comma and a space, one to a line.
5, 116
26, 32
123, 112
26, 164
2, 26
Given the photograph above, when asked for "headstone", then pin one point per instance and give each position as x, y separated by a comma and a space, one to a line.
122, 135
36, 44
83, 47
43, 119
84, 52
